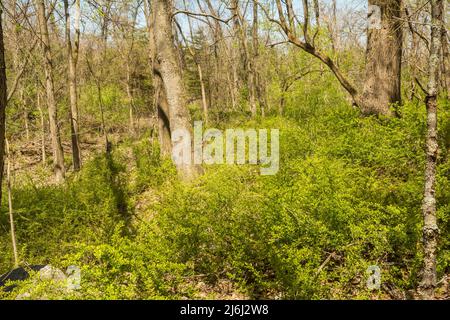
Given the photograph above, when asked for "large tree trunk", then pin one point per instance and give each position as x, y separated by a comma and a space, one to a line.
162, 106
160, 100
72, 56
382, 85
445, 54
3, 101
166, 59
430, 228
58, 155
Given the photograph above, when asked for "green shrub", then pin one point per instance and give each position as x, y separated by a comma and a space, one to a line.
88, 208
348, 196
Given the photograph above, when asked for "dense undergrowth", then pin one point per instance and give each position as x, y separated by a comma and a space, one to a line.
348, 196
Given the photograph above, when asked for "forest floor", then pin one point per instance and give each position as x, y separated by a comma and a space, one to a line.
341, 202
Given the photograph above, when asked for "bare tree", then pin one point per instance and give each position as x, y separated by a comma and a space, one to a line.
72, 57
126, 27
259, 84
3, 100
205, 107
42, 118
104, 8
384, 63
17, 60
3, 142
58, 155
240, 26
225, 66
430, 229
10, 205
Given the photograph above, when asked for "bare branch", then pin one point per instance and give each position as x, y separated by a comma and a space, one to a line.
20, 74
196, 14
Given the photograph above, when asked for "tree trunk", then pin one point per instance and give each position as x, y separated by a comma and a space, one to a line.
10, 206
199, 71
445, 54
258, 83
203, 91
130, 99
23, 105
240, 30
334, 34
41, 114
72, 56
284, 90
169, 69
3, 101
430, 229
162, 106
225, 65
384, 52
160, 100
58, 155
3, 141
128, 34
382, 85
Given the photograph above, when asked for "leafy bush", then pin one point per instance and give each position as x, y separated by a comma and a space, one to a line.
348, 196
49, 219
151, 169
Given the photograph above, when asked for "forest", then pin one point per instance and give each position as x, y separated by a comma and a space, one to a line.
334, 182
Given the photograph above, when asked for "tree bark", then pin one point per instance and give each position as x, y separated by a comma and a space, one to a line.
72, 56
131, 106
430, 229
162, 106
23, 105
445, 54
10, 206
382, 84
3, 141
41, 115
160, 100
58, 155
3, 101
